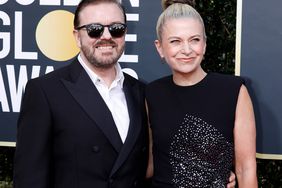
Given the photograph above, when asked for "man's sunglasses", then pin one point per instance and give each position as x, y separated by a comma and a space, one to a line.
95, 30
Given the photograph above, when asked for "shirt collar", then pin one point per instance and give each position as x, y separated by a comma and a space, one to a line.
119, 79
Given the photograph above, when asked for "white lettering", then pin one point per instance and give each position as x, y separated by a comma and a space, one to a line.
131, 72
25, 2
16, 92
132, 17
17, 89
3, 95
5, 36
51, 2
71, 2
19, 54
35, 71
48, 2
6, 44
2, 2
128, 58
49, 69
58, 2
134, 3
131, 37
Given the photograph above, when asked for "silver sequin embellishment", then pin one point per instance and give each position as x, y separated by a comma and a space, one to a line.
200, 156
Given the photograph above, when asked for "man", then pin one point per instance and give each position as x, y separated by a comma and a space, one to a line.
85, 125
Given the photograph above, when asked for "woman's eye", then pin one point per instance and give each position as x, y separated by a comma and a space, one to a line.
174, 41
195, 39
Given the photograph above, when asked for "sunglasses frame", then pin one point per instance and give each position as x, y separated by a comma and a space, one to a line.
89, 29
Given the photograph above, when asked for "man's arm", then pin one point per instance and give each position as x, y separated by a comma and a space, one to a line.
32, 162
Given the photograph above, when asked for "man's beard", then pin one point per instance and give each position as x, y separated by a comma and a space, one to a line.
102, 63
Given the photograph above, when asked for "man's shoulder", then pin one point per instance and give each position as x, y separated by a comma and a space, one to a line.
57, 74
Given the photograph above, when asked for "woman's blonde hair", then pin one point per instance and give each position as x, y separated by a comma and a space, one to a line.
173, 9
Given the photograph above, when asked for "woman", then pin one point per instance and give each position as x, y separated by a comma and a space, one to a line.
202, 123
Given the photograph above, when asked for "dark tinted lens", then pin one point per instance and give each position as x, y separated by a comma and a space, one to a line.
95, 30
117, 30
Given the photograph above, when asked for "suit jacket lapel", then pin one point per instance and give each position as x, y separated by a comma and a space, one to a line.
86, 94
132, 97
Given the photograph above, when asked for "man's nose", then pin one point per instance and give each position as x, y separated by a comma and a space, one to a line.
106, 34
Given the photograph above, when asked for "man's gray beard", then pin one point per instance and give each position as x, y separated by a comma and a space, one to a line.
104, 64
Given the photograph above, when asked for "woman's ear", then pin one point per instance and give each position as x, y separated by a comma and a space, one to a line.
159, 48
204, 52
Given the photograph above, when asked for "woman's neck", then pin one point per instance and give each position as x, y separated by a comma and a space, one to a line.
188, 79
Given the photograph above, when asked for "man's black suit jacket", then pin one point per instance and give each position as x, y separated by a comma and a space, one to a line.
67, 137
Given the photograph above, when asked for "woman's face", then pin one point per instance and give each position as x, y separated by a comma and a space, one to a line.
182, 45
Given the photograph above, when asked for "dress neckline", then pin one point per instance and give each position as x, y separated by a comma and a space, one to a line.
198, 84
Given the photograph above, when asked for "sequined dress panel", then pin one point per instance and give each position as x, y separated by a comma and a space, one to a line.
193, 131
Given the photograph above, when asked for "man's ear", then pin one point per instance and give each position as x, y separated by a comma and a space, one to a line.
77, 38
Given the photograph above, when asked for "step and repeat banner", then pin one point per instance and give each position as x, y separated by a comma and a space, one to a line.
36, 38
261, 65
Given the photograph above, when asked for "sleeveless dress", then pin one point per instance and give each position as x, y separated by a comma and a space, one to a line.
192, 130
